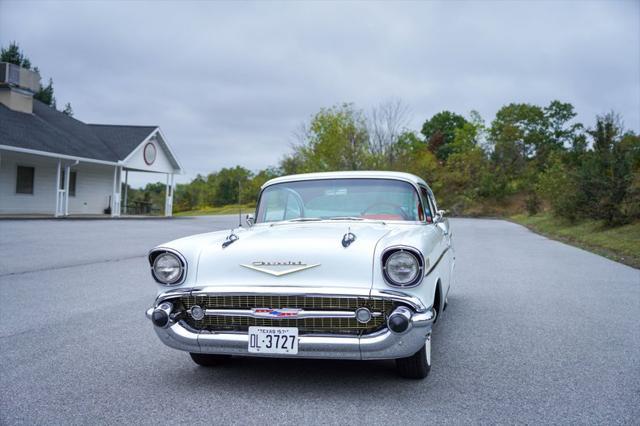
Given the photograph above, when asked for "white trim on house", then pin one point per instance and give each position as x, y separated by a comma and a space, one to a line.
165, 146
54, 155
168, 148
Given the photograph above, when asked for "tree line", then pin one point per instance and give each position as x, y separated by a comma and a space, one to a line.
528, 158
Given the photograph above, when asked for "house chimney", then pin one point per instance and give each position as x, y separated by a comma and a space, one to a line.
17, 87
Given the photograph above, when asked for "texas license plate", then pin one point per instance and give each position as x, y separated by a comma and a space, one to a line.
273, 340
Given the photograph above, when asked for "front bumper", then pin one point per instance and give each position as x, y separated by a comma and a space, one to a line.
383, 344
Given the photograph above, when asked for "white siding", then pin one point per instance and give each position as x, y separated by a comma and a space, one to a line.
162, 164
94, 185
43, 199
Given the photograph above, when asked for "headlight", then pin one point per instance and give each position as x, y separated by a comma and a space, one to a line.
402, 267
167, 268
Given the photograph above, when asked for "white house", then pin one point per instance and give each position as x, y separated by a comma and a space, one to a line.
53, 164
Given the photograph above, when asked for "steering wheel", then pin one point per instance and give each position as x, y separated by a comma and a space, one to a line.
398, 209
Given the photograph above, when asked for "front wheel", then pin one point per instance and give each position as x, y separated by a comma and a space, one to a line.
208, 360
418, 365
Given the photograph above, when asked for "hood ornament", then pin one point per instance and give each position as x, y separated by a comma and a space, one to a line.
348, 238
231, 238
279, 268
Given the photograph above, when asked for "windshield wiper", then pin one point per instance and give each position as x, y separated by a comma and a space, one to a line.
345, 218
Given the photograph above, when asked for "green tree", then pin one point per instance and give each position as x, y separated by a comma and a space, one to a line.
251, 188
516, 134
559, 186
607, 174
336, 139
562, 132
466, 174
413, 156
439, 132
192, 195
68, 110
14, 55
46, 96
630, 150
292, 164
408, 146
520, 128
228, 183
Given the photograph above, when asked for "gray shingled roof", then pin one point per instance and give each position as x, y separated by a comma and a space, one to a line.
122, 139
52, 131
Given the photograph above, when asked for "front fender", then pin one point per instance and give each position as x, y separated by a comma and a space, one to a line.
426, 239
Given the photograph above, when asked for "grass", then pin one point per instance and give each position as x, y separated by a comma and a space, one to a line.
230, 209
621, 243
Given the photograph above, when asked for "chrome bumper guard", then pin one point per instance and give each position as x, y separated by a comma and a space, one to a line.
383, 344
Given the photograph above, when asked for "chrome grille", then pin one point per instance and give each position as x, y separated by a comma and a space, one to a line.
310, 325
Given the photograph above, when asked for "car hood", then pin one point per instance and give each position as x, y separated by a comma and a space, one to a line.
305, 254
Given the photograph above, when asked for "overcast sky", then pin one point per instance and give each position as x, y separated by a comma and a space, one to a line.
228, 83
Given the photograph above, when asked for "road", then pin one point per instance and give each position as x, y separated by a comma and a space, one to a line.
536, 332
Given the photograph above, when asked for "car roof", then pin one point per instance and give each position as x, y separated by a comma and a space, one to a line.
349, 174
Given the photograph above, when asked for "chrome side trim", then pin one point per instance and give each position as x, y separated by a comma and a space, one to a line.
399, 296
437, 261
172, 294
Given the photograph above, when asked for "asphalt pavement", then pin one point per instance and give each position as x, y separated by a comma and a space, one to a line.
536, 332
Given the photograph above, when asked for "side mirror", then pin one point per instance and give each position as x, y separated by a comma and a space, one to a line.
250, 220
440, 215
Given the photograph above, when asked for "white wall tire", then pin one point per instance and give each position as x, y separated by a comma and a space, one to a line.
418, 365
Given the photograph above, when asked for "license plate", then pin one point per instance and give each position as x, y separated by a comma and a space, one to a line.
273, 340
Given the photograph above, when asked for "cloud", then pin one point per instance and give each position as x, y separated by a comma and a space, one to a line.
229, 82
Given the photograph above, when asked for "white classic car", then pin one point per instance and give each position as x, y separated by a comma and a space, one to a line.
344, 265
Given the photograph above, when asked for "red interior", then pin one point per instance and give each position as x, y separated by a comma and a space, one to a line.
382, 216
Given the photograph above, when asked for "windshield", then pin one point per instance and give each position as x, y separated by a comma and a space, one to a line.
340, 199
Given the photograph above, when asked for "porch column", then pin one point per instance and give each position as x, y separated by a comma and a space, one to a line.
168, 203
115, 198
67, 173
59, 192
126, 190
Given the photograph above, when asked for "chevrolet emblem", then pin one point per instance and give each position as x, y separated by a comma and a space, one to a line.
279, 268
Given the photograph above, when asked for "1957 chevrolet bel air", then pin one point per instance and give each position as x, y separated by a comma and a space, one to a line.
346, 265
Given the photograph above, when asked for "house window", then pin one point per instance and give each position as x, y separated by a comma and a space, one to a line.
24, 180
72, 182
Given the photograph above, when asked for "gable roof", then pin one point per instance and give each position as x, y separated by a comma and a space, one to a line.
122, 139
51, 131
